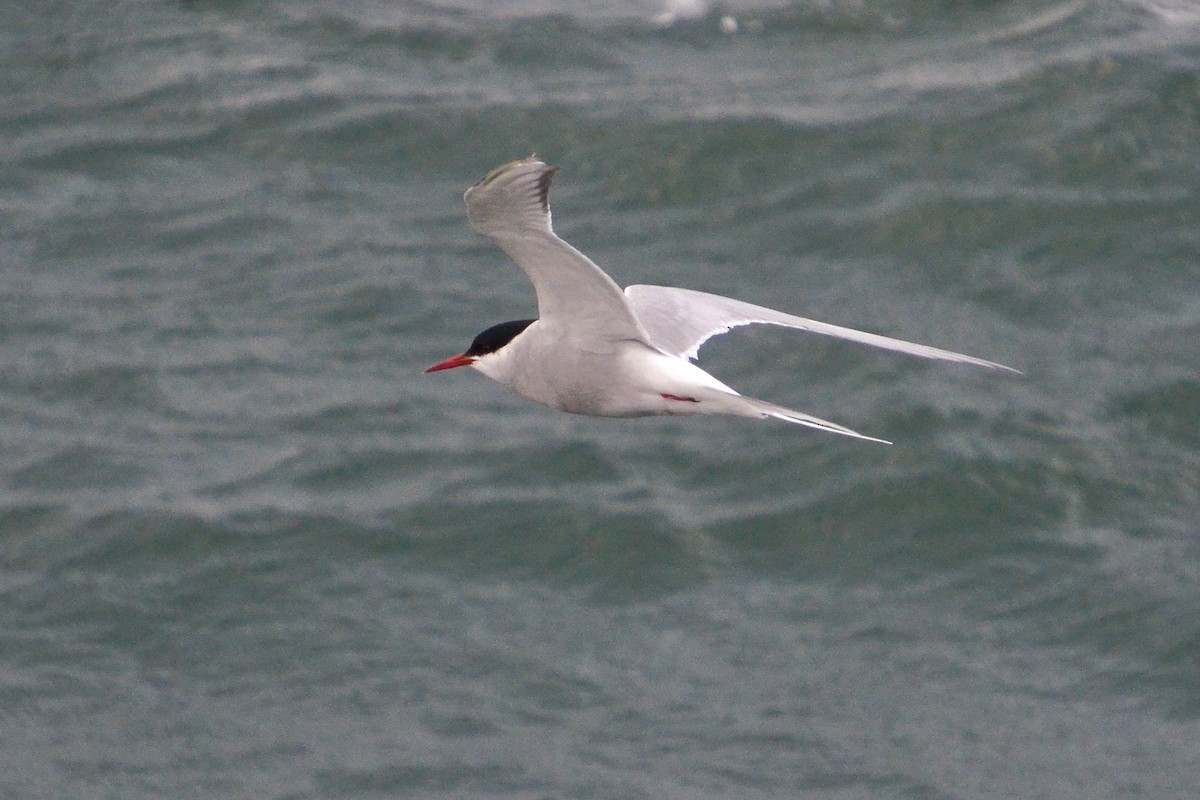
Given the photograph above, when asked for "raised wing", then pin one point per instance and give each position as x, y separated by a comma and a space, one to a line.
511, 206
680, 320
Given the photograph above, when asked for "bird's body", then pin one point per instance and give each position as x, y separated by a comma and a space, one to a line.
599, 351
627, 378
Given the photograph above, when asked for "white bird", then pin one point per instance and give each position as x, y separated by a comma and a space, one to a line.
599, 351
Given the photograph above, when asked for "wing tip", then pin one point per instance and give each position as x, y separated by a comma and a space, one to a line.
531, 160
513, 196
543, 183
981, 362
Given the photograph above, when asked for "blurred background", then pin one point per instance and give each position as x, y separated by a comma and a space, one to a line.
248, 550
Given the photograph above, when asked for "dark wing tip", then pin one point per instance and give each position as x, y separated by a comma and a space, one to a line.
543, 187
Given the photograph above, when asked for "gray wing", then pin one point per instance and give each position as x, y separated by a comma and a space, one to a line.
680, 320
511, 207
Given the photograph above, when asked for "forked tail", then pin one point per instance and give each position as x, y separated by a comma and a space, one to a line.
761, 408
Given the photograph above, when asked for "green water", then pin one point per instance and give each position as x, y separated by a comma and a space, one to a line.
247, 549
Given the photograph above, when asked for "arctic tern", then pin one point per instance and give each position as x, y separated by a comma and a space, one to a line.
599, 351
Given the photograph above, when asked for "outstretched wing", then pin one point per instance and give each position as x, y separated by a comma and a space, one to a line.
511, 206
680, 320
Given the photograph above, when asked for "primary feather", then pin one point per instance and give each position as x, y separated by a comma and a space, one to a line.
679, 321
511, 207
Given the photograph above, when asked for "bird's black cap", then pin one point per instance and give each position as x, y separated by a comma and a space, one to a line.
496, 337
